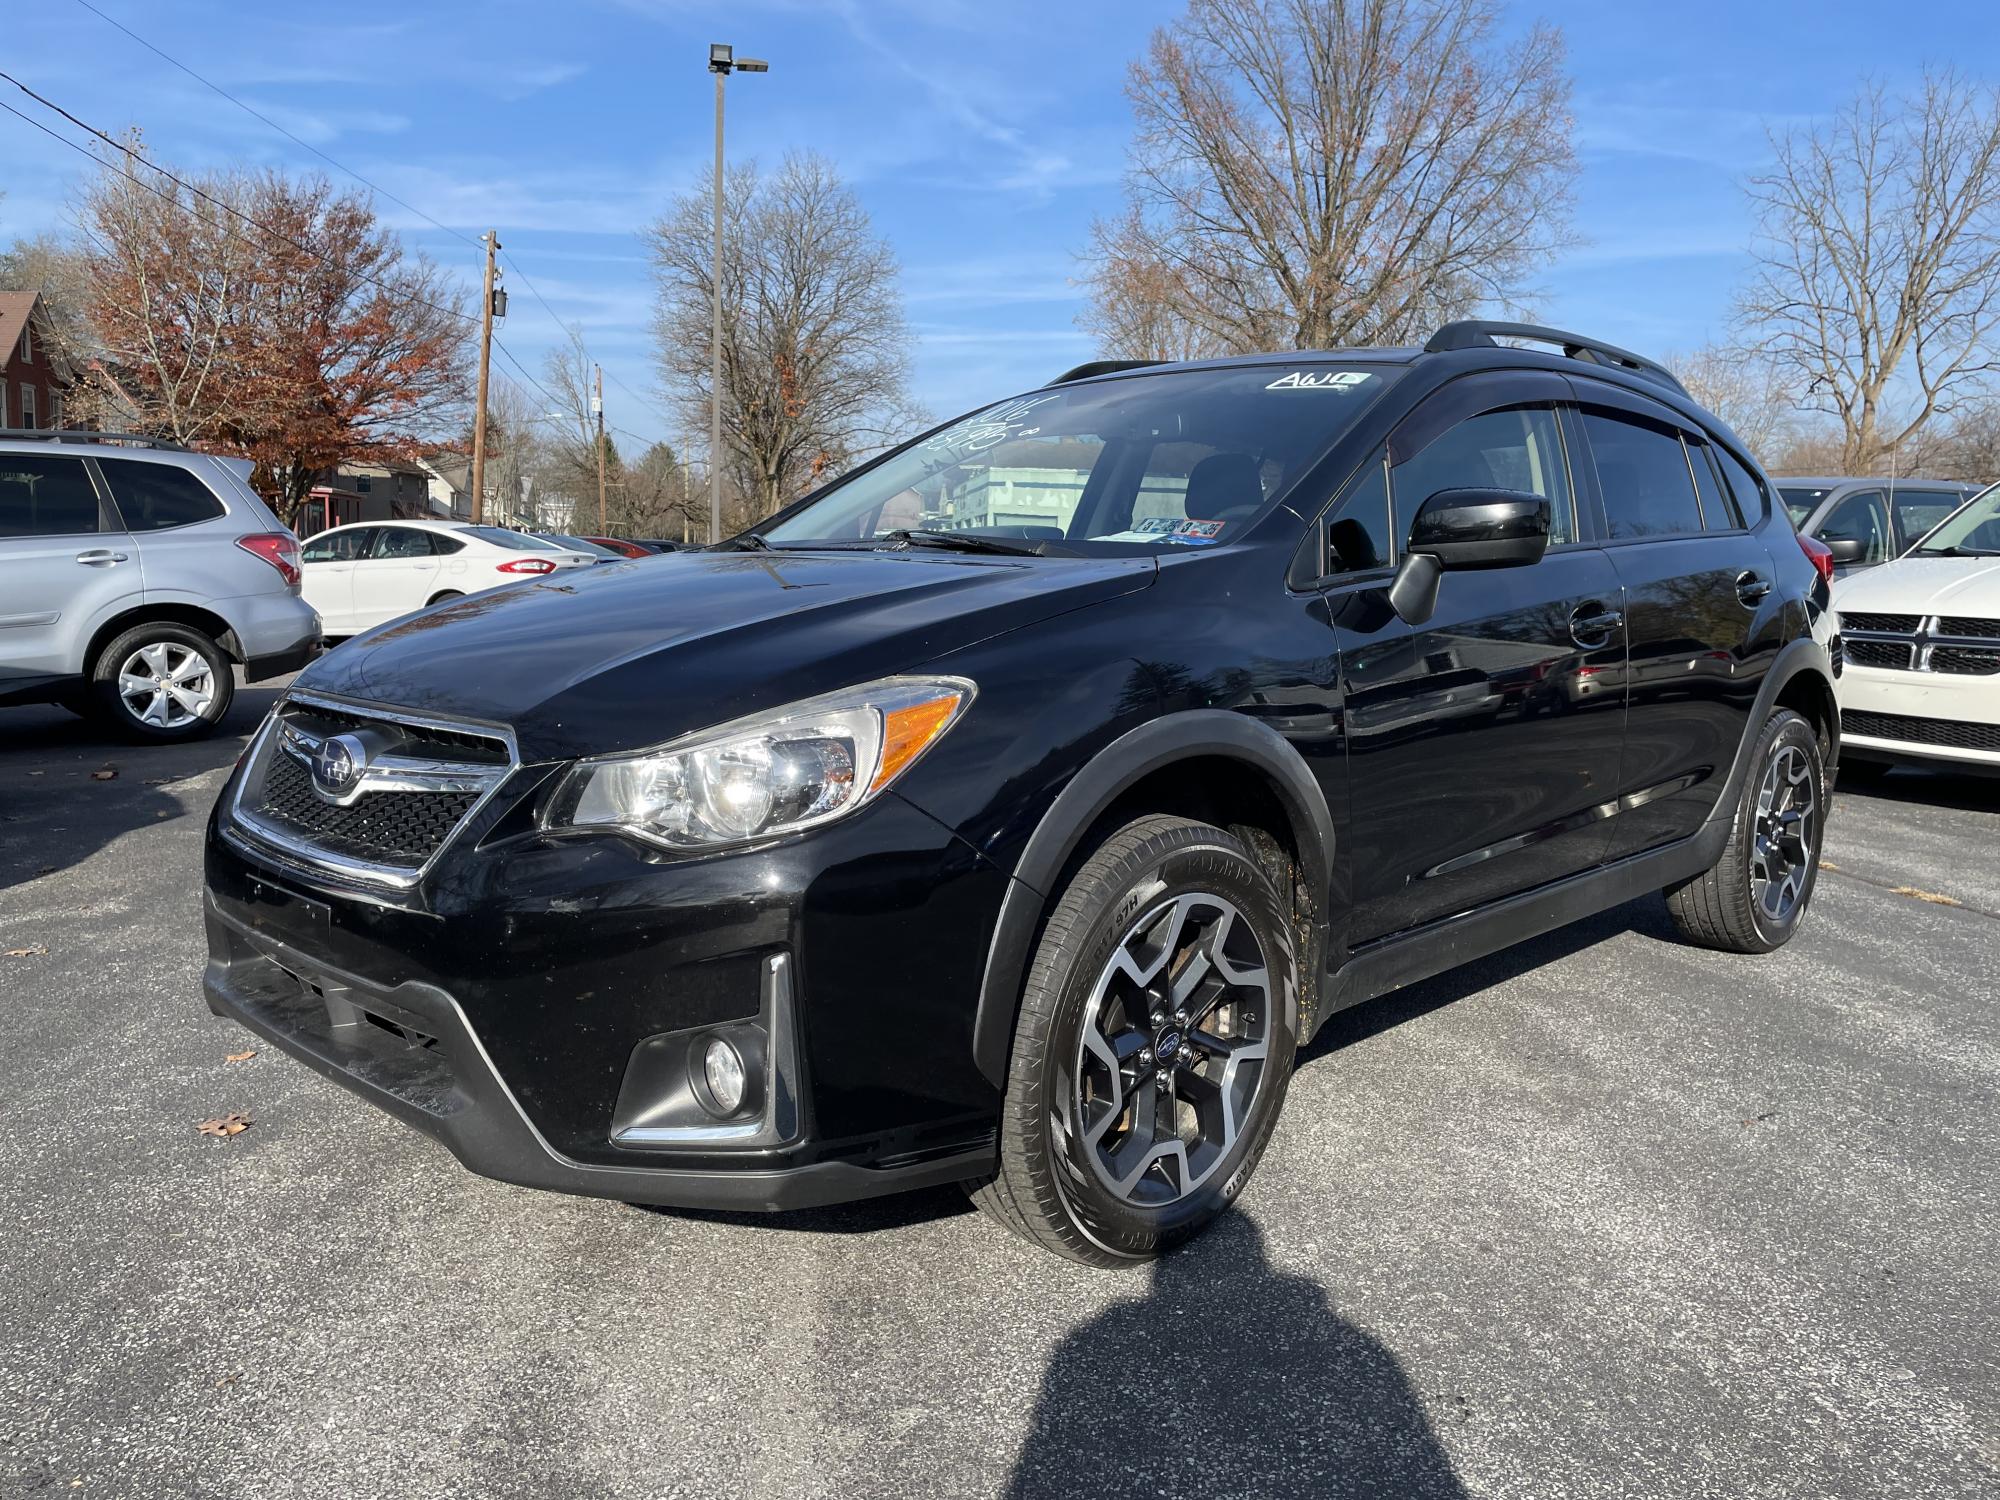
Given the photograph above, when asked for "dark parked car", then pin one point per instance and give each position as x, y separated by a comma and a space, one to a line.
1869, 521
1011, 810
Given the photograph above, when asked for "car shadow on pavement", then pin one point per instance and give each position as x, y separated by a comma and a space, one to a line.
55, 813
1229, 1376
863, 1216
1646, 915
1958, 791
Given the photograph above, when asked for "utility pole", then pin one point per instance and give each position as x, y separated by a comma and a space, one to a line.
597, 405
722, 60
492, 241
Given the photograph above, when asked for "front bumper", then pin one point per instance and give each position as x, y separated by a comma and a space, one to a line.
516, 1005
1929, 716
410, 1050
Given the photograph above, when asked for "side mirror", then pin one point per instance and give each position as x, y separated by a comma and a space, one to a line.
1464, 529
1846, 549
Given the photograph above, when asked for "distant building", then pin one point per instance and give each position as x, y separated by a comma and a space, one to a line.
34, 376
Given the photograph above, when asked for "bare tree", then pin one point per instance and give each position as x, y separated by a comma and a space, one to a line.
1877, 285
815, 347
1317, 173
1742, 388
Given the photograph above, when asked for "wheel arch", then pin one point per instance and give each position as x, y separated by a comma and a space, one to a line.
1211, 764
206, 621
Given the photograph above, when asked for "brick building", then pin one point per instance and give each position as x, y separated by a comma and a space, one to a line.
34, 377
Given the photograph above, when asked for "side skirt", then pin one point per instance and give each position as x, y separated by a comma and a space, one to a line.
1391, 963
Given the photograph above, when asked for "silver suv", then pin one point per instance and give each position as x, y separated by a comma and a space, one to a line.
134, 576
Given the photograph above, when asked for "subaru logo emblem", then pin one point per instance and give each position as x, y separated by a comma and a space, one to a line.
336, 769
1167, 1045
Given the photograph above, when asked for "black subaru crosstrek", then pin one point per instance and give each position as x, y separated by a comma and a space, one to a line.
1012, 809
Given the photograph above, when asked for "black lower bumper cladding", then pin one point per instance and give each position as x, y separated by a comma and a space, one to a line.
411, 1051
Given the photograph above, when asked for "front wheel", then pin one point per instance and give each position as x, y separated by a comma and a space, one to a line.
1752, 899
1155, 1043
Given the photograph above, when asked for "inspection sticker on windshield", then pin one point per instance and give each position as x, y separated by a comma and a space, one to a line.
1331, 380
1186, 530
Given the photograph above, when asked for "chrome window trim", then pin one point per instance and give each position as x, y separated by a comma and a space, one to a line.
256, 837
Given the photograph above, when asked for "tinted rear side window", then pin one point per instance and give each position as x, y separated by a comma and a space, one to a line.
401, 541
153, 497
1743, 485
46, 497
1718, 512
1643, 473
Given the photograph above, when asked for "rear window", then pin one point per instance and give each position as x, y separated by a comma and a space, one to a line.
1643, 473
157, 497
46, 497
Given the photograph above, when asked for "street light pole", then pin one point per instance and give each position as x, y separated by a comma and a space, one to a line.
722, 61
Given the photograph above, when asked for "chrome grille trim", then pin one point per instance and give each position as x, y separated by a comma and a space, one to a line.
400, 775
1926, 646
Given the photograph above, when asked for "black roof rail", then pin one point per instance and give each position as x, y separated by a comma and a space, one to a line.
1474, 333
1103, 367
79, 435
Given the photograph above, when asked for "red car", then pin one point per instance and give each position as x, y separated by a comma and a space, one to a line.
622, 547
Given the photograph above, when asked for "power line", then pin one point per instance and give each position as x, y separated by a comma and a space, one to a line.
257, 114
132, 155
206, 197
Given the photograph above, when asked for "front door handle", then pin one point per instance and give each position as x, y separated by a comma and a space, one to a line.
1752, 588
99, 556
1590, 625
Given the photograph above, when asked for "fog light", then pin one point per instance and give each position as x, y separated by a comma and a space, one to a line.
723, 1068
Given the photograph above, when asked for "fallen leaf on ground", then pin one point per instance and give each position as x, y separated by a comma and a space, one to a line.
233, 1123
1931, 896
243, 1056
38, 773
103, 775
33, 950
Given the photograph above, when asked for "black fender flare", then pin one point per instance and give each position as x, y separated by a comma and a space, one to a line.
1196, 733
1803, 656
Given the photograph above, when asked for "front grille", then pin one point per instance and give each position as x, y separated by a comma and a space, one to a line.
416, 781
1969, 625
1966, 661
1877, 653
395, 828
1891, 624
1955, 734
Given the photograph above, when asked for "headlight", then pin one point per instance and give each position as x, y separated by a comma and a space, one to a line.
770, 774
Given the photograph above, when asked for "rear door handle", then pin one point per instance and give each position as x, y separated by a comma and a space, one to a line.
1752, 588
99, 555
1591, 624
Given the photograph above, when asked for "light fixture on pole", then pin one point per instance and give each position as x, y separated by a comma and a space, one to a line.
722, 61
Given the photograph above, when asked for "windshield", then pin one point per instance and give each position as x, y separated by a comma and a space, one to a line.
515, 541
1801, 502
1973, 530
1185, 458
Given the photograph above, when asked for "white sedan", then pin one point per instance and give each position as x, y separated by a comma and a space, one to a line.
1921, 638
368, 573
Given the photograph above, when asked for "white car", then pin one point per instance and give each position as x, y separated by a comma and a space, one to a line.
368, 573
1921, 637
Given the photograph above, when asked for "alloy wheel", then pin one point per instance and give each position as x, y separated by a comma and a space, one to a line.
166, 685
1786, 833
1172, 1051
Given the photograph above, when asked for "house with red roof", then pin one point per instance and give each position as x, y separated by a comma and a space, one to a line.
34, 376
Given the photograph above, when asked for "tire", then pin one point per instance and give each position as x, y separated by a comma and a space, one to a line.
1725, 907
443, 594
204, 683
1160, 895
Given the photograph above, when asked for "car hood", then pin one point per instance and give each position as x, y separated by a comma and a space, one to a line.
630, 653
1925, 586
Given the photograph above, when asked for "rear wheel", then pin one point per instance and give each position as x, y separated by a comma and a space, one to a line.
162, 682
1154, 1047
444, 594
1752, 899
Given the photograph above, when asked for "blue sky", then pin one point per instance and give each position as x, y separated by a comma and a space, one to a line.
982, 138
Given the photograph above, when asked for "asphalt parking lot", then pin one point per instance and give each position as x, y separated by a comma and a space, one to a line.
1601, 1216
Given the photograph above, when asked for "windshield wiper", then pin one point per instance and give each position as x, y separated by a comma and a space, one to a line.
966, 541
1957, 552
747, 541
